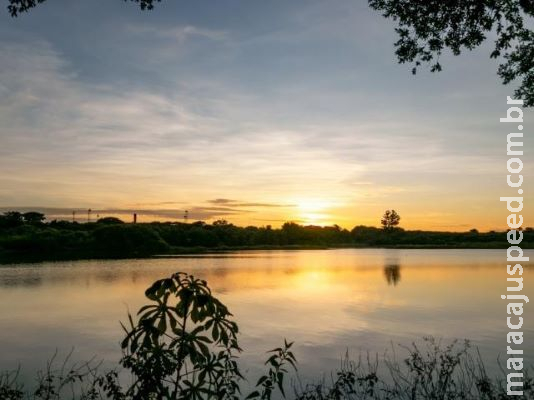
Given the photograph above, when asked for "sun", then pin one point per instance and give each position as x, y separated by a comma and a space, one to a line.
314, 211
312, 205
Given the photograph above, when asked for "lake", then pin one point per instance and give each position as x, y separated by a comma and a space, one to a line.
327, 301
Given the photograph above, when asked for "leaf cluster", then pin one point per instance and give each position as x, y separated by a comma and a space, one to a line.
184, 344
426, 28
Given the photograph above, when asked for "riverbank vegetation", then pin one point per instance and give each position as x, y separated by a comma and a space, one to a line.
184, 344
29, 237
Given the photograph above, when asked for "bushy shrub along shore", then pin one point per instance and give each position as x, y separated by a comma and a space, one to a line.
32, 238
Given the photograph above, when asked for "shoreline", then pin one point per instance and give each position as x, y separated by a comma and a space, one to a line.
179, 252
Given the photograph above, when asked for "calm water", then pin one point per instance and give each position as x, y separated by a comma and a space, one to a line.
328, 302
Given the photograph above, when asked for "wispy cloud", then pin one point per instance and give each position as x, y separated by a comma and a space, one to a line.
176, 33
237, 203
143, 214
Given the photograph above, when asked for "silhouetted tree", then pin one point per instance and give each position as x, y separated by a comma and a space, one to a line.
110, 221
390, 219
427, 27
33, 218
11, 219
121, 240
65, 239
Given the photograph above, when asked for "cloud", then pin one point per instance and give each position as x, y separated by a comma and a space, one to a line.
158, 203
215, 209
176, 33
237, 203
107, 145
143, 214
221, 201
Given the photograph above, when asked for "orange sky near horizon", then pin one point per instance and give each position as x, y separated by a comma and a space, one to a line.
444, 216
291, 112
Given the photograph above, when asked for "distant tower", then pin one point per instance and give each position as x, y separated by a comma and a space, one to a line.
186, 216
135, 218
89, 215
73, 216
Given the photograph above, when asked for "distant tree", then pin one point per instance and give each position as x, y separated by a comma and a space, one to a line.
293, 233
427, 27
110, 221
221, 222
365, 235
11, 219
200, 236
390, 220
119, 240
33, 218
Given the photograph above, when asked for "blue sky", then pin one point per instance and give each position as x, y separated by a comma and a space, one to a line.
256, 112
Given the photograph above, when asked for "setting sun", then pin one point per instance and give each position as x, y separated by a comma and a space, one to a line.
314, 212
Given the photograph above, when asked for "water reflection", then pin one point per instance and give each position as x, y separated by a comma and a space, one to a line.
392, 267
326, 301
26, 281
392, 273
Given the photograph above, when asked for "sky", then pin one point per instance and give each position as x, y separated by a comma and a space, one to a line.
257, 112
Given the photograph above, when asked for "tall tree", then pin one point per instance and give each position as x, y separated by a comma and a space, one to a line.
33, 217
390, 219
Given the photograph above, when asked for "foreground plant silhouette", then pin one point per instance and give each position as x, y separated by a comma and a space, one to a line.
184, 346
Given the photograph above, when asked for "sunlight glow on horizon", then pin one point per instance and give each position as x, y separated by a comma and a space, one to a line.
318, 211
314, 211
286, 114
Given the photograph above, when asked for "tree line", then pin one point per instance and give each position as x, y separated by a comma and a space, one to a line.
29, 235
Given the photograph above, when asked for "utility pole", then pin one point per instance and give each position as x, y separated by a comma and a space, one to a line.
89, 215
186, 216
73, 216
